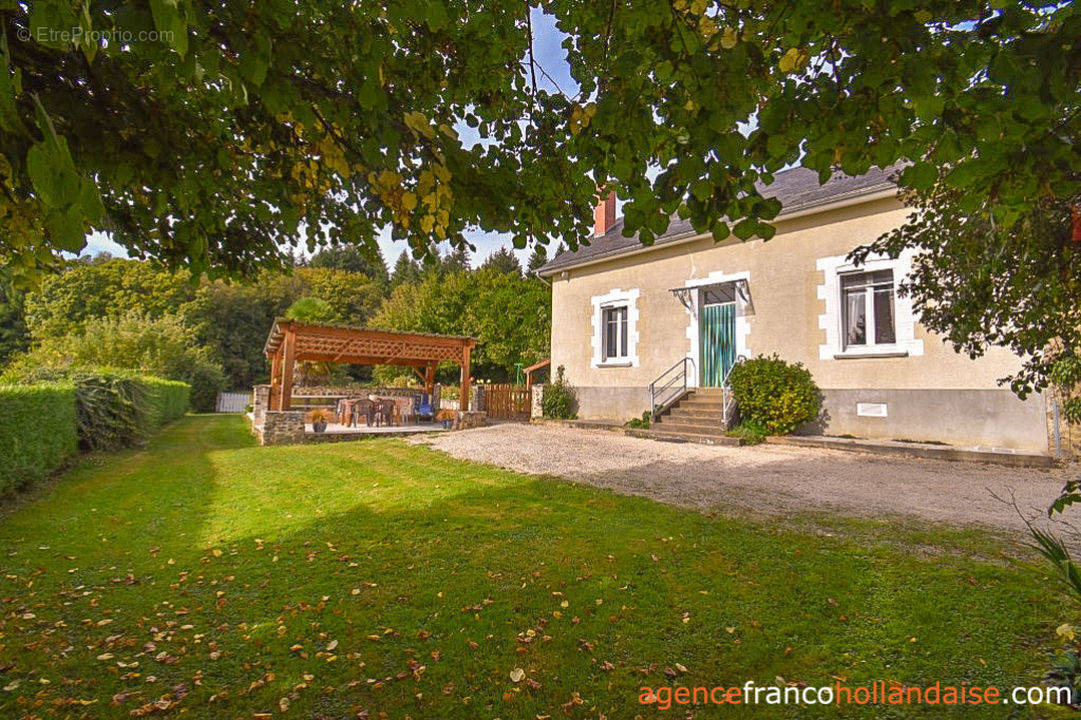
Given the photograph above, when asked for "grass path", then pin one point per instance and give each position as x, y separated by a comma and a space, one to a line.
225, 580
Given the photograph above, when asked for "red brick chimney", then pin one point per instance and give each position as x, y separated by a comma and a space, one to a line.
604, 214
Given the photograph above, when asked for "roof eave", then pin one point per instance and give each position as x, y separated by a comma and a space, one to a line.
797, 212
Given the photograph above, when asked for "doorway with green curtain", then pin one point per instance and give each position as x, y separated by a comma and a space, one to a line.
716, 339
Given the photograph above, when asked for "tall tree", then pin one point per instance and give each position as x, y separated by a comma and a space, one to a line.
537, 258
406, 270
111, 287
503, 260
455, 261
353, 258
254, 127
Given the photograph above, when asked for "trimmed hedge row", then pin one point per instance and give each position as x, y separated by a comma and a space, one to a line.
120, 409
166, 400
37, 432
43, 423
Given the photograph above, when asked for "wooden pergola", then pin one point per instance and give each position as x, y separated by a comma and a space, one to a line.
291, 341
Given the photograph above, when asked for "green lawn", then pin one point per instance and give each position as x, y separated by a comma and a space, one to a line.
227, 580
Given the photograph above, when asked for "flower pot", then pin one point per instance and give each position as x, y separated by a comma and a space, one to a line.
319, 426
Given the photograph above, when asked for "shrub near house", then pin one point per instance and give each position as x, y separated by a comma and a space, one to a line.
774, 397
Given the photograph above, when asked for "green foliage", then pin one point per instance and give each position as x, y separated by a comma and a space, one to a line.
406, 270
166, 400
164, 346
560, 399
116, 408
751, 432
774, 396
104, 288
353, 259
311, 310
503, 260
37, 432
510, 315
642, 423
14, 335
537, 258
255, 128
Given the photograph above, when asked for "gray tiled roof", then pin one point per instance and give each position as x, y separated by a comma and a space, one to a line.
797, 189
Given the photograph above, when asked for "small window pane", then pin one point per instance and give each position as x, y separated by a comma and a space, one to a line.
884, 328
721, 294
615, 332
855, 320
623, 332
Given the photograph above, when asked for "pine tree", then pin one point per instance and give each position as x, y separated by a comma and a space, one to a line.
457, 260
537, 258
406, 270
505, 261
352, 258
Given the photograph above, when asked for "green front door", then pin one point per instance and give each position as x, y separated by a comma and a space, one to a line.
717, 340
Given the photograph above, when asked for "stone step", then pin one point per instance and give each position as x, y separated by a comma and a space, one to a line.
664, 436
689, 426
701, 404
695, 413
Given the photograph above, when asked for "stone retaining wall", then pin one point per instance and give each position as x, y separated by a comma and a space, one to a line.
280, 427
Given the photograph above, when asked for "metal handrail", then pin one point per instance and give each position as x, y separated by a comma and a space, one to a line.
657, 400
728, 398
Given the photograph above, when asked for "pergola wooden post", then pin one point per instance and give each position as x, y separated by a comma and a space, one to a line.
463, 399
291, 341
288, 361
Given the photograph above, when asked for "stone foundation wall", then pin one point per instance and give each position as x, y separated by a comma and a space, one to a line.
280, 427
349, 392
469, 419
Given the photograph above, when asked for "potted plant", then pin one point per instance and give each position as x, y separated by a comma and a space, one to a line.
446, 417
319, 419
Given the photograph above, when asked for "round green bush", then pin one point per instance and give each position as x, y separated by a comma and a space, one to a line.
774, 395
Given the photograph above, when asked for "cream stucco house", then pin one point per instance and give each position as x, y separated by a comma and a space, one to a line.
623, 314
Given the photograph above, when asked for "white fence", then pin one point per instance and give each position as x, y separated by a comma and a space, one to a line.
233, 402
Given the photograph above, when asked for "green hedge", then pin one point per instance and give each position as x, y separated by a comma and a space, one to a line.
118, 408
37, 432
166, 400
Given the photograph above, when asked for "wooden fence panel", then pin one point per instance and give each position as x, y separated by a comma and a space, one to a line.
508, 402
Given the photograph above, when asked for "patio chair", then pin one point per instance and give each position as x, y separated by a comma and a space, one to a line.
424, 408
384, 412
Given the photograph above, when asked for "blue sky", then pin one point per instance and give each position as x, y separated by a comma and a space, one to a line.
549, 54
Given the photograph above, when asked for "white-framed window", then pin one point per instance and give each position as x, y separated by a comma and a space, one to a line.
867, 309
614, 318
864, 314
615, 329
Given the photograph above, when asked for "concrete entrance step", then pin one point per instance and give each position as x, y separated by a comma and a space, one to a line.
694, 413
700, 404
688, 425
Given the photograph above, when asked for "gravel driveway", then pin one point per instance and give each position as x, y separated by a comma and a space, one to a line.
764, 478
